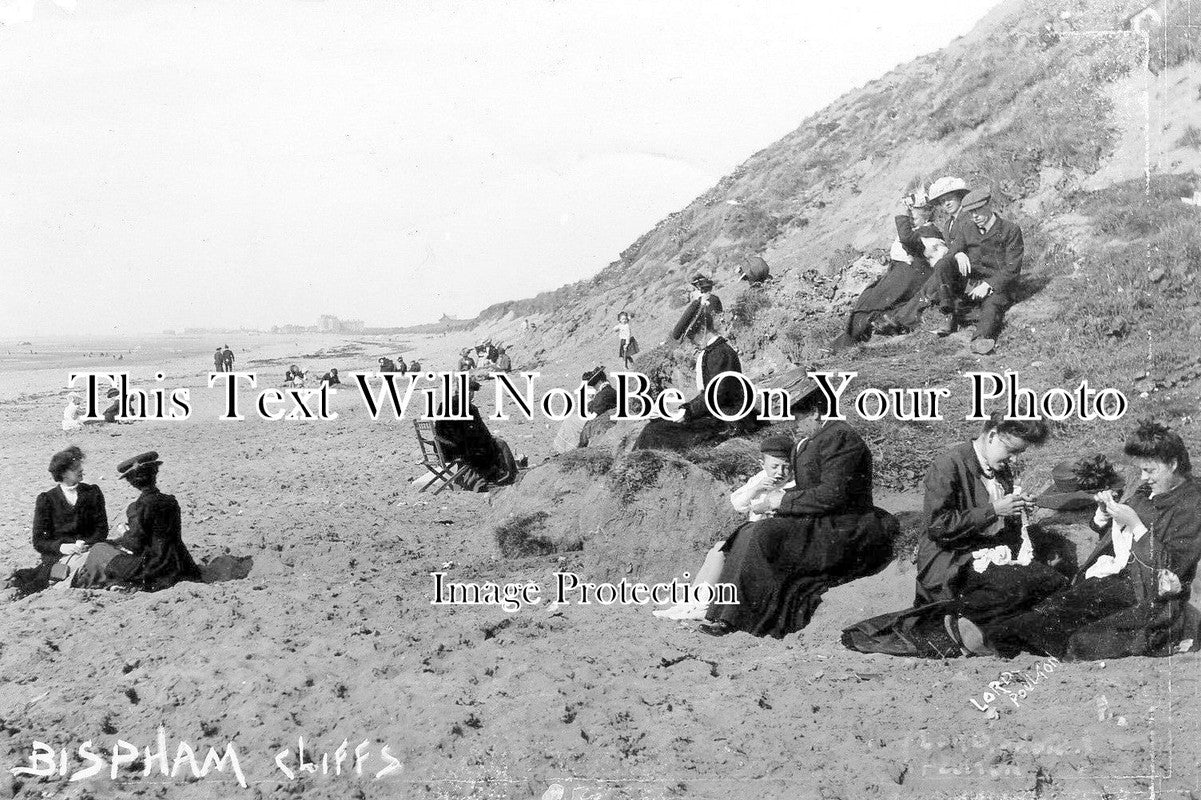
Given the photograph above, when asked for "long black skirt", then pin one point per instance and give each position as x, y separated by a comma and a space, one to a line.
989, 599
889, 292
781, 566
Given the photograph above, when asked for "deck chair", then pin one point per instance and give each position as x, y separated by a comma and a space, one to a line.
434, 458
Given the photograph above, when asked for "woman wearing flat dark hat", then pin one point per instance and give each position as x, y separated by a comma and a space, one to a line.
702, 290
151, 555
699, 424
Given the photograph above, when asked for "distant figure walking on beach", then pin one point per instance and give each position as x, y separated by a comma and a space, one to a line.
218, 361
227, 356
627, 345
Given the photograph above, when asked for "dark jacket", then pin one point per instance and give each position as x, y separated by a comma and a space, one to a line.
719, 357
825, 532
159, 558
996, 256
953, 226
56, 522
603, 401
1154, 625
833, 474
467, 440
957, 510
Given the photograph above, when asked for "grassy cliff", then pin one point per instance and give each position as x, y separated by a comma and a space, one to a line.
1047, 103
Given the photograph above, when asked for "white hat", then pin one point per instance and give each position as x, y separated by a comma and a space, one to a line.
944, 186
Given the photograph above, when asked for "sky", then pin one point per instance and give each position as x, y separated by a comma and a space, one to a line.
168, 164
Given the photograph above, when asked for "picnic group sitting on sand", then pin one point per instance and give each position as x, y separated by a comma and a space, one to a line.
986, 585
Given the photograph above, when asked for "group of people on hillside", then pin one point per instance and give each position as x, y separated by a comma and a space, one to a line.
986, 585
974, 258
223, 359
71, 531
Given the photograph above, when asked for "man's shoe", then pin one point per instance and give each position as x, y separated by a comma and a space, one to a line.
983, 347
949, 325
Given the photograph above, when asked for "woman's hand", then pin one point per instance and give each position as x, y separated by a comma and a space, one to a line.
72, 548
1169, 583
1123, 514
1011, 505
762, 504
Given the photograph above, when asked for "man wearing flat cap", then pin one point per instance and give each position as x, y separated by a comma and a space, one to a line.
983, 264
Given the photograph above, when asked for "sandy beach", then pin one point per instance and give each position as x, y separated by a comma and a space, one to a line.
332, 638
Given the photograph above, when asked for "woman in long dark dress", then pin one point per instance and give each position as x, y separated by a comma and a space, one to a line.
699, 425
919, 244
151, 555
976, 564
1132, 595
68, 519
825, 531
489, 458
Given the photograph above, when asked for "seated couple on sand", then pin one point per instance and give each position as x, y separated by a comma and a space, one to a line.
70, 531
804, 536
982, 588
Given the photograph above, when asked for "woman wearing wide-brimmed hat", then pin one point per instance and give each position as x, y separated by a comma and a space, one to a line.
151, 555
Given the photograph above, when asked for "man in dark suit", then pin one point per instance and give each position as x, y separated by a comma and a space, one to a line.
983, 262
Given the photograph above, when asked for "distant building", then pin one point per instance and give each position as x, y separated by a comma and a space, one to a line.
328, 323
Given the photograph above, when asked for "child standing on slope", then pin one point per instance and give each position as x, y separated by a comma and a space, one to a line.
627, 346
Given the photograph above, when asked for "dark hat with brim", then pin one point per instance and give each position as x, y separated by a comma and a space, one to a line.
977, 198
112, 393
780, 446
1065, 493
807, 400
593, 376
131, 466
755, 270
702, 282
